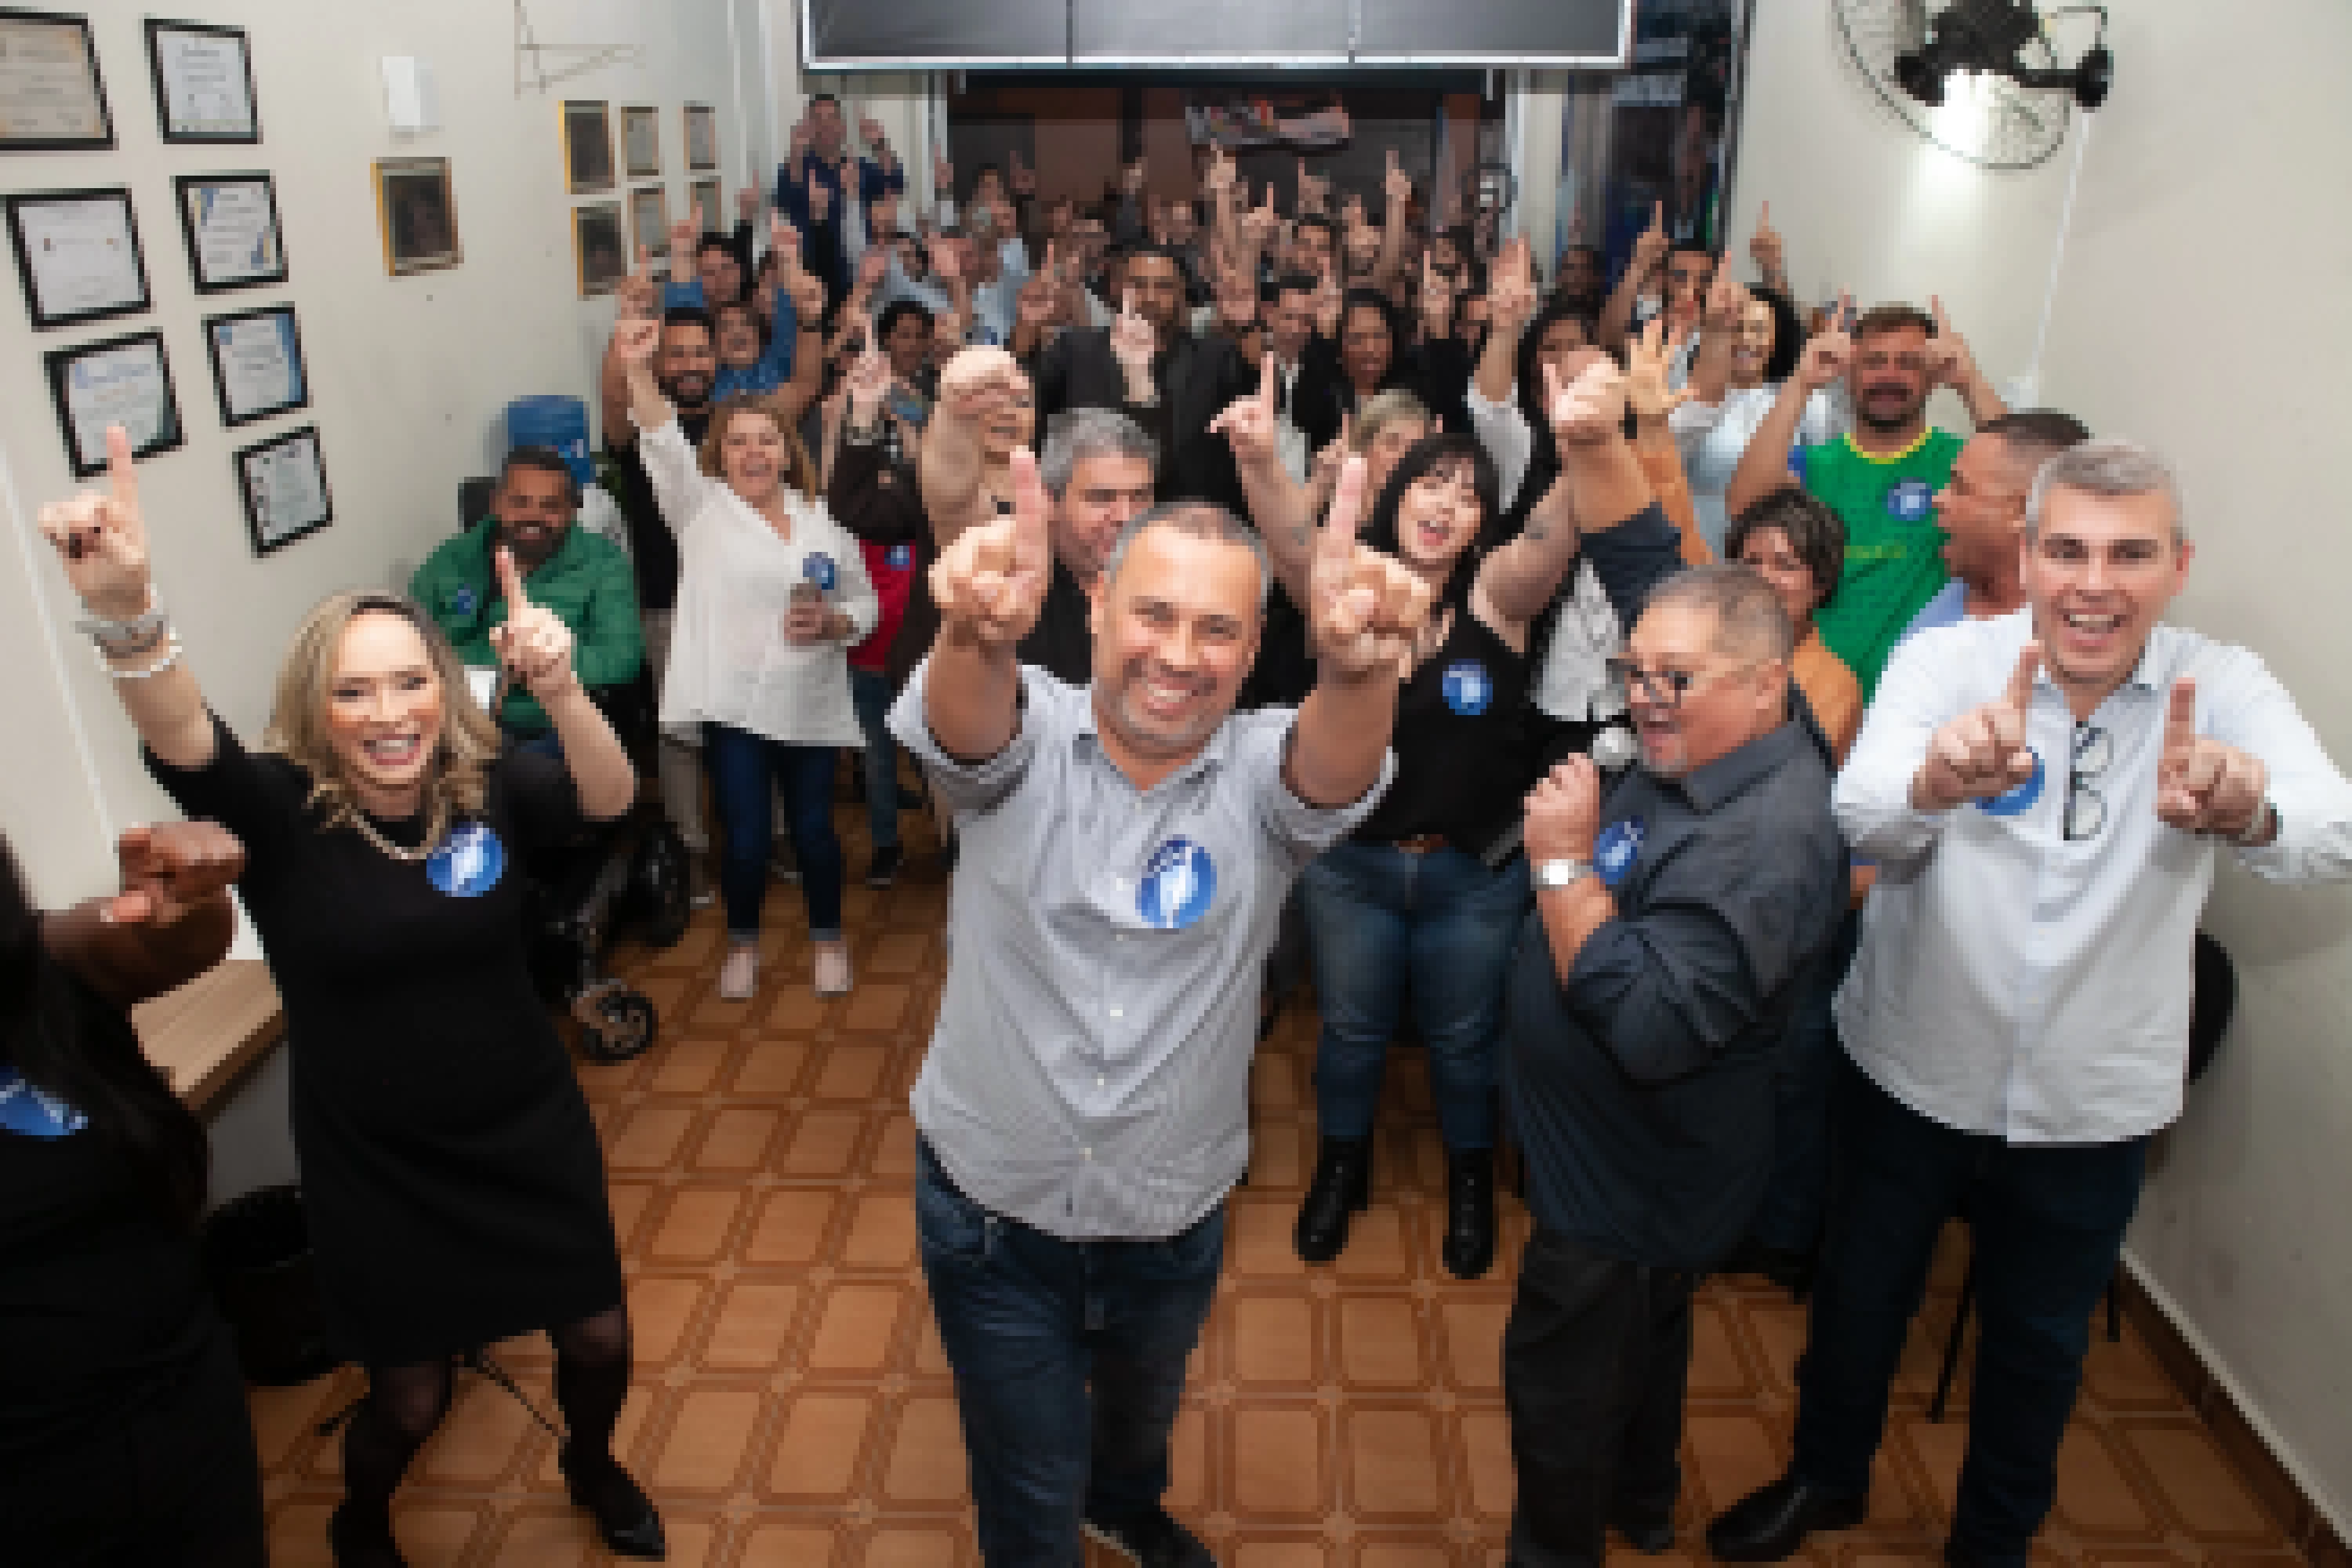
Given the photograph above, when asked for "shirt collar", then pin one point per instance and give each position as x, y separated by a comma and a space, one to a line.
1086, 739
1885, 458
1710, 787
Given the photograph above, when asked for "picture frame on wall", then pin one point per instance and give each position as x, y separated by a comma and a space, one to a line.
203, 81
587, 147
52, 99
257, 358
418, 214
701, 138
709, 207
600, 248
78, 254
124, 381
649, 220
230, 224
641, 142
282, 485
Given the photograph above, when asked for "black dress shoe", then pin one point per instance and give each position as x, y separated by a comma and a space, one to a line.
1342, 1186
624, 1515
1469, 1248
360, 1538
1771, 1522
1644, 1534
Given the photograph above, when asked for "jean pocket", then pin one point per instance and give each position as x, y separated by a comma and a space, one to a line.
1194, 1252
949, 1226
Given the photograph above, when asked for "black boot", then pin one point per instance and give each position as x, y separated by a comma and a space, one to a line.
1342, 1185
1469, 1250
624, 1515
359, 1536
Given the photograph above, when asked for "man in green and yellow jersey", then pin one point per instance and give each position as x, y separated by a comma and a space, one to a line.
1882, 477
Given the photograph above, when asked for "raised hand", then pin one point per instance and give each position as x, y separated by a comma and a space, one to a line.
1589, 410
1827, 353
868, 380
1237, 302
1036, 305
638, 295
947, 263
1563, 812
682, 239
1764, 249
170, 869
1982, 754
1314, 189
1726, 304
1396, 185
1511, 290
1351, 212
2203, 786
1325, 475
870, 131
1130, 178
1019, 178
747, 203
1436, 298
974, 376
1132, 343
1651, 245
991, 583
1217, 177
101, 538
943, 175
533, 644
1950, 362
634, 339
1649, 358
1365, 610
1248, 424
871, 269
820, 201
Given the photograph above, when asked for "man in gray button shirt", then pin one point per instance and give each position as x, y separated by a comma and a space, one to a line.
1126, 850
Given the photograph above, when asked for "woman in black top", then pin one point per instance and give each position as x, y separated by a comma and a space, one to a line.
123, 1435
1426, 891
451, 1171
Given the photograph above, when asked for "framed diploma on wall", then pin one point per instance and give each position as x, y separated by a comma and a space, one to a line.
600, 250
587, 147
230, 222
282, 483
701, 138
78, 253
203, 81
641, 142
419, 214
124, 380
51, 97
256, 363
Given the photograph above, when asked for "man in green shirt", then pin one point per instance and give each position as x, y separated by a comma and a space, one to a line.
1880, 478
585, 579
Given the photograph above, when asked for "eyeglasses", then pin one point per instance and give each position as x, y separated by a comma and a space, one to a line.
2086, 808
1666, 688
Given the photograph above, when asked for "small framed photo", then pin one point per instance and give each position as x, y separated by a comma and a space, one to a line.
600, 251
256, 363
203, 81
124, 380
649, 220
418, 213
587, 147
230, 222
641, 142
709, 207
701, 137
78, 253
282, 483
51, 97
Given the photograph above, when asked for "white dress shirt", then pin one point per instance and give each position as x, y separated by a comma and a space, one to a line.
2010, 982
729, 662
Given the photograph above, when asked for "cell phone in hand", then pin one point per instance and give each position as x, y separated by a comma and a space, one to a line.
807, 592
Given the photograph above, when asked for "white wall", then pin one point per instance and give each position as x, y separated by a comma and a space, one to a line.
409, 376
2199, 308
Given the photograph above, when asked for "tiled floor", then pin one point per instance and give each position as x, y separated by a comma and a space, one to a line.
793, 1407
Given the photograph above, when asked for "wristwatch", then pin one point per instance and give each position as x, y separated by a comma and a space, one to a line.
1550, 875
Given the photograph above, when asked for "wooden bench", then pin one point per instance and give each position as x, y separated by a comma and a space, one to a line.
210, 1030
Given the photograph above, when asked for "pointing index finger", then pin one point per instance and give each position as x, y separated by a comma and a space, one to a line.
2020, 684
121, 469
2181, 716
1265, 374
511, 585
1340, 524
1031, 548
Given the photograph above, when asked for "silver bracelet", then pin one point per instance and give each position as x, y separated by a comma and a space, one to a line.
124, 637
171, 655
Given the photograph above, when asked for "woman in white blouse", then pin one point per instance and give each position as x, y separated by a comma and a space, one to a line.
1748, 345
772, 595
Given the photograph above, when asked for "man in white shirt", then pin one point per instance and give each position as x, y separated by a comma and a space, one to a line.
2045, 792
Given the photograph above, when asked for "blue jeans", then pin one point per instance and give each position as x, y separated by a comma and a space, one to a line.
746, 770
869, 693
2047, 1226
1789, 1219
1380, 918
1070, 1361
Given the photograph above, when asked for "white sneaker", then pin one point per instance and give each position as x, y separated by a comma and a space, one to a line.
833, 970
740, 975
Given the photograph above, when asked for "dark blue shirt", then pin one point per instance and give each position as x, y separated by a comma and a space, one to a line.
1641, 1088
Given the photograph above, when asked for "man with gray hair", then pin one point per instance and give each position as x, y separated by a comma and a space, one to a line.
2045, 792
1098, 468
1676, 922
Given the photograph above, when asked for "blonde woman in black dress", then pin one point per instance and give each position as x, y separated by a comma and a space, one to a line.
454, 1185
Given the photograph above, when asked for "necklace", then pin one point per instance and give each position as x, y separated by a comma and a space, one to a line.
367, 830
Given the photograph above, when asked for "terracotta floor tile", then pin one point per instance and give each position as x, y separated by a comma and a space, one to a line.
1390, 1461
770, 1066
1730, 1456
752, 1328
1380, 1344
704, 1449
1470, 1333
737, 1140
926, 1463
662, 1308
820, 1441
479, 1442
1275, 1342
881, 1231
1718, 1370
690, 1066
899, 953
650, 1137
629, 1201
1486, 1463
852, 1070
696, 1226
1277, 1553
894, 1147
2197, 1482
790, 1227
855, 1328
770, 1544
823, 1144
2095, 1497
878, 1005
912, 1546
1280, 1466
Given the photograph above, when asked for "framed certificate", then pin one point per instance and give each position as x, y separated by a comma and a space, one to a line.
51, 98
203, 82
600, 251
701, 137
418, 213
641, 142
256, 363
649, 220
231, 224
124, 380
709, 214
283, 484
587, 147
78, 253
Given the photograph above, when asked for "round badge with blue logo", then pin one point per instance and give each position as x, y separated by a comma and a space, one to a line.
468, 862
34, 1112
1178, 880
819, 569
1910, 500
1619, 846
898, 557
1469, 689
2013, 803
462, 600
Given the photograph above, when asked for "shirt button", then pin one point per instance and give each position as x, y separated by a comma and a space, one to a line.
1098, 1080
1085, 1153
1118, 1013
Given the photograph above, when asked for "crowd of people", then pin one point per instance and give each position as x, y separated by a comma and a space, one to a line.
1784, 821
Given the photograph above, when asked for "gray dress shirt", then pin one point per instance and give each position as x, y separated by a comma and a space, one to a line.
1089, 1072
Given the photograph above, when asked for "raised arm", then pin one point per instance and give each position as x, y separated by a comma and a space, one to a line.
1726, 302
171, 922
1518, 579
948, 476
1952, 363
102, 540
634, 299
1278, 504
1649, 254
989, 585
536, 647
1396, 192
1764, 466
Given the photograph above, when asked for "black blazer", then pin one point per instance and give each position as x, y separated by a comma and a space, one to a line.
1197, 378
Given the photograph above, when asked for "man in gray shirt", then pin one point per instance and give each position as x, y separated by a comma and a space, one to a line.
1126, 850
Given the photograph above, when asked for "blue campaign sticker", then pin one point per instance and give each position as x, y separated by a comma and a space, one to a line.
1619, 846
818, 568
1910, 500
467, 862
2019, 799
462, 600
1469, 689
1178, 880
898, 557
32, 1112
